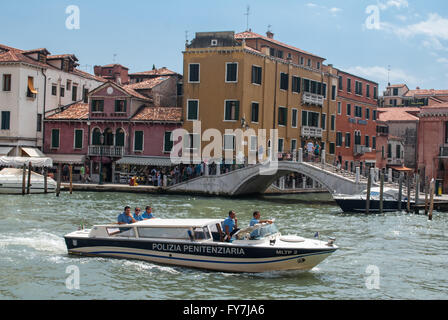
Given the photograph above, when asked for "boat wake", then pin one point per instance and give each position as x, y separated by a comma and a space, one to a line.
34, 239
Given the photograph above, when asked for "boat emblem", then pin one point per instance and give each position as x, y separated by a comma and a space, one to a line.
301, 260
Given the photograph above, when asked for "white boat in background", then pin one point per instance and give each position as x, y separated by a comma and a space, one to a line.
11, 182
198, 243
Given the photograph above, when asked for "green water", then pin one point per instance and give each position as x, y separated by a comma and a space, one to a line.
408, 251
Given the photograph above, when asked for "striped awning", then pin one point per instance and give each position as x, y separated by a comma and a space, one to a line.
32, 152
146, 161
4, 151
68, 158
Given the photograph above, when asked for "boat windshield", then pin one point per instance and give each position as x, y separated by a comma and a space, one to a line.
264, 231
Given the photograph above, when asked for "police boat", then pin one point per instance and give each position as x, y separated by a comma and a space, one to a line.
199, 243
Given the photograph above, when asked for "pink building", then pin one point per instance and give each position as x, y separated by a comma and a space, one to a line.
433, 144
119, 127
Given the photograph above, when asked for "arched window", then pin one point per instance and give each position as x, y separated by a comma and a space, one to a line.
119, 138
108, 137
96, 137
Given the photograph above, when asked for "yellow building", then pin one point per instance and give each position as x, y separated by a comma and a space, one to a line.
249, 81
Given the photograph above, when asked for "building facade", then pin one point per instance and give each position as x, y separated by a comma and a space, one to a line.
356, 141
250, 82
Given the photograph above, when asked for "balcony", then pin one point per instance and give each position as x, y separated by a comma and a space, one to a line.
106, 151
312, 132
359, 149
313, 99
395, 161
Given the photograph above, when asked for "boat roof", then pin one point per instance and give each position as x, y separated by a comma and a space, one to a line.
177, 223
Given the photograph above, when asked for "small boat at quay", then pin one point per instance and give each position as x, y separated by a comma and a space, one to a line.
198, 243
357, 203
11, 182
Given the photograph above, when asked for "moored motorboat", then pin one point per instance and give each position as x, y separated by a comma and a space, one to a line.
11, 182
198, 243
357, 202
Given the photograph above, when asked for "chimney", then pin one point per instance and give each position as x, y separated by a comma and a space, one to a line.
270, 35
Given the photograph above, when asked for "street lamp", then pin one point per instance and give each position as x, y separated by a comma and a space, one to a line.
101, 158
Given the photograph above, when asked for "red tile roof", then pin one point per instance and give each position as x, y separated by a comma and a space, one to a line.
161, 71
426, 92
397, 114
147, 84
253, 35
164, 114
77, 111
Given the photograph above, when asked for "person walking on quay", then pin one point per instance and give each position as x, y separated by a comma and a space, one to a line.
126, 216
316, 151
82, 173
310, 149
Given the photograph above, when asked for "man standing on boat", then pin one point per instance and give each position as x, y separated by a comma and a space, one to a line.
230, 226
256, 219
126, 217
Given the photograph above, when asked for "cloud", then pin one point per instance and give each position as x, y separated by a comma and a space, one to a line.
393, 3
333, 10
381, 74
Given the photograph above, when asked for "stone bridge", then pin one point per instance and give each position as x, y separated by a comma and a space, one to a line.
256, 179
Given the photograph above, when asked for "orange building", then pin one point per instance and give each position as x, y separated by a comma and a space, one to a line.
356, 117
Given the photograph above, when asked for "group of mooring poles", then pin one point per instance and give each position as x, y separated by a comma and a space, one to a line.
26, 183
429, 194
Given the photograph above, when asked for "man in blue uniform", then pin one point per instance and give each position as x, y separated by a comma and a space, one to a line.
148, 213
230, 226
256, 219
137, 215
126, 217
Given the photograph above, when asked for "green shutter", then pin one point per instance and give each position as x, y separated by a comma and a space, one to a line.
237, 110
138, 141
55, 138
192, 110
168, 144
78, 139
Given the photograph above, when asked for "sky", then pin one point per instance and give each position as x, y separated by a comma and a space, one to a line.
401, 41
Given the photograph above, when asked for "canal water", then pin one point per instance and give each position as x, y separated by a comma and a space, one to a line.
390, 256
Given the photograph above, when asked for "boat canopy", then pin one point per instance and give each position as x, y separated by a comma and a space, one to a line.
20, 161
177, 223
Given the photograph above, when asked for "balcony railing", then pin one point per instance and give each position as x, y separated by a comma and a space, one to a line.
311, 98
312, 132
106, 151
359, 149
395, 161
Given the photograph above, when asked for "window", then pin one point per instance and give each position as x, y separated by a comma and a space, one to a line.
138, 141
340, 83
167, 143
398, 151
282, 116
339, 108
313, 119
332, 148
85, 96
253, 143
54, 138
272, 52
367, 113
358, 88
333, 93
62, 91
395, 92
293, 145
295, 84
302, 60
229, 142
6, 82
375, 93
6, 118
96, 137
304, 118
368, 90
358, 111
323, 121
294, 118
374, 143
78, 138
120, 105
74, 93
446, 132
309, 63
97, 105
280, 54
256, 75
389, 151
231, 72
31, 92
349, 109
318, 65
347, 140
349, 85
374, 115
192, 141
306, 85
284, 79
39, 122
338, 139
357, 138
324, 90
281, 143
232, 110
193, 72
193, 110
333, 122
367, 140
254, 112
119, 138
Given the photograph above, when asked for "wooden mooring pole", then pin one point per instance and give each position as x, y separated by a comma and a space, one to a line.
400, 191
369, 182
408, 207
71, 178
58, 186
381, 191
24, 180
28, 185
431, 191
45, 180
427, 185
417, 190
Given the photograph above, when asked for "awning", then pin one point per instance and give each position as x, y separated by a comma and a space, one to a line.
31, 85
401, 168
5, 150
68, 158
20, 161
33, 152
146, 161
